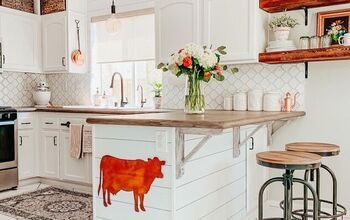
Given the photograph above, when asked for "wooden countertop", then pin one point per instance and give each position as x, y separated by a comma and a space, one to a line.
211, 119
91, 110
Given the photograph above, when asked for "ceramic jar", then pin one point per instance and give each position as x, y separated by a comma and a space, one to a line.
240, 101
272, 102
282, 33
255, 100
228, 103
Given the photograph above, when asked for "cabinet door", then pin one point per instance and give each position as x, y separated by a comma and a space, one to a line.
256, 174
54, 42
231, 23
70, 168
21, 41
49, 154
177, 24
26, 154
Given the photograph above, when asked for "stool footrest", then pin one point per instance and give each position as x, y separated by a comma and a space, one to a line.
341, 210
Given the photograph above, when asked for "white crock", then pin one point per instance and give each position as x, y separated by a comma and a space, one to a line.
281, 33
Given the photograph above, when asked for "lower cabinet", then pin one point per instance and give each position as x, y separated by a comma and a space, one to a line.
26, 154
70, 168
256, 174
49, 154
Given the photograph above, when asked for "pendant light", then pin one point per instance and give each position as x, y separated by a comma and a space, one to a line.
113, 24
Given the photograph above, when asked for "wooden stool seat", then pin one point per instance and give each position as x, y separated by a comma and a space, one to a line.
289, 160
322, 149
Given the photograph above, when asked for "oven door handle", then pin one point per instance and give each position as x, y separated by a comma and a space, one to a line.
7, 123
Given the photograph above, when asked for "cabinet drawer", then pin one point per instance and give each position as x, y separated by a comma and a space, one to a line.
50, 123
66, 122
26, 123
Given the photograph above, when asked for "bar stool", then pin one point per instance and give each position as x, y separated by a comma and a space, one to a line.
289, 161
324, 150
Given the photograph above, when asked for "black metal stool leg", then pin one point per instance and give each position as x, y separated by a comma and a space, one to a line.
314, 195
335, 189
288, 182
318, 188
261, 195
306, 178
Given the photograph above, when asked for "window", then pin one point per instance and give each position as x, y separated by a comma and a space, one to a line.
131, 52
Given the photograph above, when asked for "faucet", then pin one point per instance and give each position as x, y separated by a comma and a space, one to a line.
122, 102
143, 101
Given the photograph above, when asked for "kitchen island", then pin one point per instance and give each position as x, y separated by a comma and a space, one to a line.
202, 164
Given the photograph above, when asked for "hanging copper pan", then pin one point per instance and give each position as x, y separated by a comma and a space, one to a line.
77, 56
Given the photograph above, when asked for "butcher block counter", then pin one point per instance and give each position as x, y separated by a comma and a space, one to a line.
173, 166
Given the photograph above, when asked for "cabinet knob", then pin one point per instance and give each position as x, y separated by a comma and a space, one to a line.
3, 59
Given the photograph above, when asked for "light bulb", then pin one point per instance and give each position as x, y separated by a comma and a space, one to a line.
113, 24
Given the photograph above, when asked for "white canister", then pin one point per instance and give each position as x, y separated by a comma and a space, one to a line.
240, 101
228, 103
255, 100
272, 102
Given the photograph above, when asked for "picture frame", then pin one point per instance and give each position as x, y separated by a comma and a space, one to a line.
334, 23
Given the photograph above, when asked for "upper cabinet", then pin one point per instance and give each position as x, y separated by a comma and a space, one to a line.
238, 25
55, 30
177, 23
21, 39
60, 39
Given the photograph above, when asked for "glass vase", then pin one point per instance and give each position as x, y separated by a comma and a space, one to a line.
194, 99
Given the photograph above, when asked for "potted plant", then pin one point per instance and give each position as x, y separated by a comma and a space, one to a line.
198, 64
281, 26
157, 89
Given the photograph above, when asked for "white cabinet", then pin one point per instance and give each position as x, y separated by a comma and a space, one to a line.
60, 40
49, 154
72, 169
177, 24
54, 42
256, 174
26, 154
21, 38
238, 25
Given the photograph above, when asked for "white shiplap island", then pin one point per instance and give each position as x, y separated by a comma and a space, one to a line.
207, 169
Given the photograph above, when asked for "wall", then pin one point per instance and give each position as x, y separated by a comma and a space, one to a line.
67, 89
280, 78
327, 102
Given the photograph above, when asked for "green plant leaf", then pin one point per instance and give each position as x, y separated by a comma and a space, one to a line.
160, 66
206, 79
165, 69
234, 70
219, 78
195, 60
221, 48
179, 74
224, 67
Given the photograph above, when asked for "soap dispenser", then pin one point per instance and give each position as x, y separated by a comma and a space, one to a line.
97, 98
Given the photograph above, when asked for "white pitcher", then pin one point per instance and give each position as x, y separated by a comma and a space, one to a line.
344, 40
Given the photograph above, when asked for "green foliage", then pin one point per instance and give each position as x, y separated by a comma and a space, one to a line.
157, 89
283, 21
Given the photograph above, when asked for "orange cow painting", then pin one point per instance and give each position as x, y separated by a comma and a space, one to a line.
134, 176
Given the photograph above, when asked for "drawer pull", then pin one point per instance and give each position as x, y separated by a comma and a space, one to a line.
20, 141
26, 123
67, 124
55, 140
49, 123
253, 143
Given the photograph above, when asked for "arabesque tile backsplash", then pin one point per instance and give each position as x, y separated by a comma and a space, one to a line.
74, 89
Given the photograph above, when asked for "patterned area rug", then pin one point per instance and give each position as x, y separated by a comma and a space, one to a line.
48, 204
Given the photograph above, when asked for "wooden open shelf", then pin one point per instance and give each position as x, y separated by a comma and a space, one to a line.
305, 56
273, 6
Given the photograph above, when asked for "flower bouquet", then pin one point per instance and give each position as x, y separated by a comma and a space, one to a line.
198, 64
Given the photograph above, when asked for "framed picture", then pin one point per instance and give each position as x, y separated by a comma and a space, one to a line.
333, 23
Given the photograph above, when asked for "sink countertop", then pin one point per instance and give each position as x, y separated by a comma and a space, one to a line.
91, 110
211, 119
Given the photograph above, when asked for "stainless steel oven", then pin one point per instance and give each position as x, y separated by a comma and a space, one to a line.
8, 148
